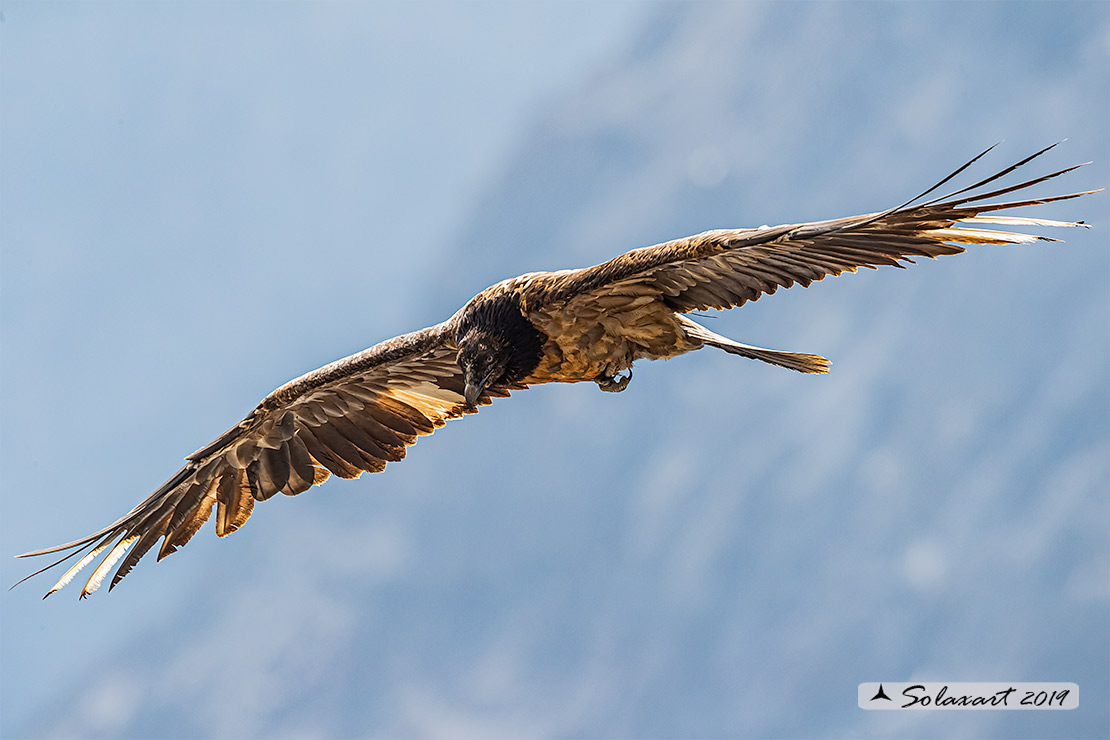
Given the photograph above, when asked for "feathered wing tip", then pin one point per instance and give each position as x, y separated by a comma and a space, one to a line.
102, 568
969, 208
77, 548
123, 532
958, 234
232, 494
88, 558
119, 541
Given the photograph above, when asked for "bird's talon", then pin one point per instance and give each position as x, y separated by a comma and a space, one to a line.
614, 383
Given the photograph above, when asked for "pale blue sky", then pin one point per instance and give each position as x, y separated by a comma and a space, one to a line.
199, 201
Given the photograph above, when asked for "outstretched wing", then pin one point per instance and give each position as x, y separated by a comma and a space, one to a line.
349, 417
729, 267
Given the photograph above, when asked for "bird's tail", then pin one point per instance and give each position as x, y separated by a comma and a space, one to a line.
792, 360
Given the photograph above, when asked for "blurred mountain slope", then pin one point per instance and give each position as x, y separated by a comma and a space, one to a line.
724, 549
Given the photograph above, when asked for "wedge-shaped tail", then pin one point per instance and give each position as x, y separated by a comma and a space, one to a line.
791, 360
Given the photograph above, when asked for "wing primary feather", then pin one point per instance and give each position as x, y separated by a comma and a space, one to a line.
88, 558
1019, 221
989, 207
146, 541
97, 576
995, 176
180, 532
985, 236
1012, 188
916, 198
54, 564
187, 502
982, 196
143, 506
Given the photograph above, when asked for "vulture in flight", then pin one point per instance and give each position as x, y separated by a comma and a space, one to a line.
363, 411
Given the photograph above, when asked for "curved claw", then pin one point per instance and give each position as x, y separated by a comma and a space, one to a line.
614, 383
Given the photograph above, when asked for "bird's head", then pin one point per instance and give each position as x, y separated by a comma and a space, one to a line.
483, 358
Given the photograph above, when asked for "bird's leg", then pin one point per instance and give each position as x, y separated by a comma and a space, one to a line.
614, 383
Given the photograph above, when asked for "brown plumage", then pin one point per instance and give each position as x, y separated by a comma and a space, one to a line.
363, 411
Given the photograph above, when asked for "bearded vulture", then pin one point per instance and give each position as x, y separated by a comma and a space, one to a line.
363, 411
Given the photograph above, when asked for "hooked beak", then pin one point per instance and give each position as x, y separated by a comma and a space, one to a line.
474, 389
